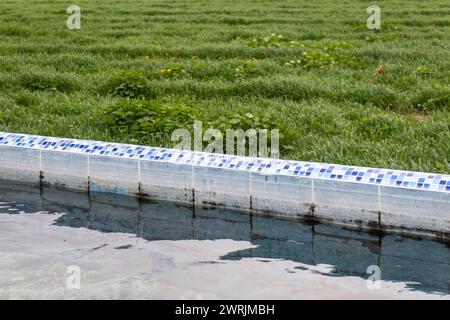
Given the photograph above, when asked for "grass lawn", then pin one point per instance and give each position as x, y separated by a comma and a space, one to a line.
302, 66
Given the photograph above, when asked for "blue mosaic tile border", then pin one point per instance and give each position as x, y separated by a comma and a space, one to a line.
375, 176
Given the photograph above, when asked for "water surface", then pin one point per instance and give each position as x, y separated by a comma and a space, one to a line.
129, 248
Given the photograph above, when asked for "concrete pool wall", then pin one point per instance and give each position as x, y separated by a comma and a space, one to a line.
381, 199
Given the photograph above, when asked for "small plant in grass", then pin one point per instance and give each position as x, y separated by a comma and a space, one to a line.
247, 68
314, 59
278, 40
128, 84
241, 69
173, 71
147, 120
322, 59
272, 40
423, 71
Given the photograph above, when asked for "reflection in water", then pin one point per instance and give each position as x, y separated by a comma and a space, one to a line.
422, 262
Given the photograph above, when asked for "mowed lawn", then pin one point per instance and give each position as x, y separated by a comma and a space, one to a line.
307, 67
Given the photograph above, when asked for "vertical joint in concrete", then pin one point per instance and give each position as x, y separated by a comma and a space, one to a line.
380, 209
193, 191
41, 172
312, 207
139, 179
250, 191
88, 175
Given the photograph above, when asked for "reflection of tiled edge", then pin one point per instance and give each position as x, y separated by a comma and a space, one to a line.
372, 176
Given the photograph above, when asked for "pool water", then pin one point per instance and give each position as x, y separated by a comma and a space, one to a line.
131, 248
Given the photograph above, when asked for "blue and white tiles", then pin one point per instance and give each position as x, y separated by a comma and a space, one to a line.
343, 173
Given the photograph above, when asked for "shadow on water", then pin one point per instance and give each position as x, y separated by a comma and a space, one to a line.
420, 261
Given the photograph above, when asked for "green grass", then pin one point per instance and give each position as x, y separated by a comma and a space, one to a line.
220, 59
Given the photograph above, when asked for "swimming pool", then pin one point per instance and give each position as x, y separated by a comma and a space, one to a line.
128, 247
